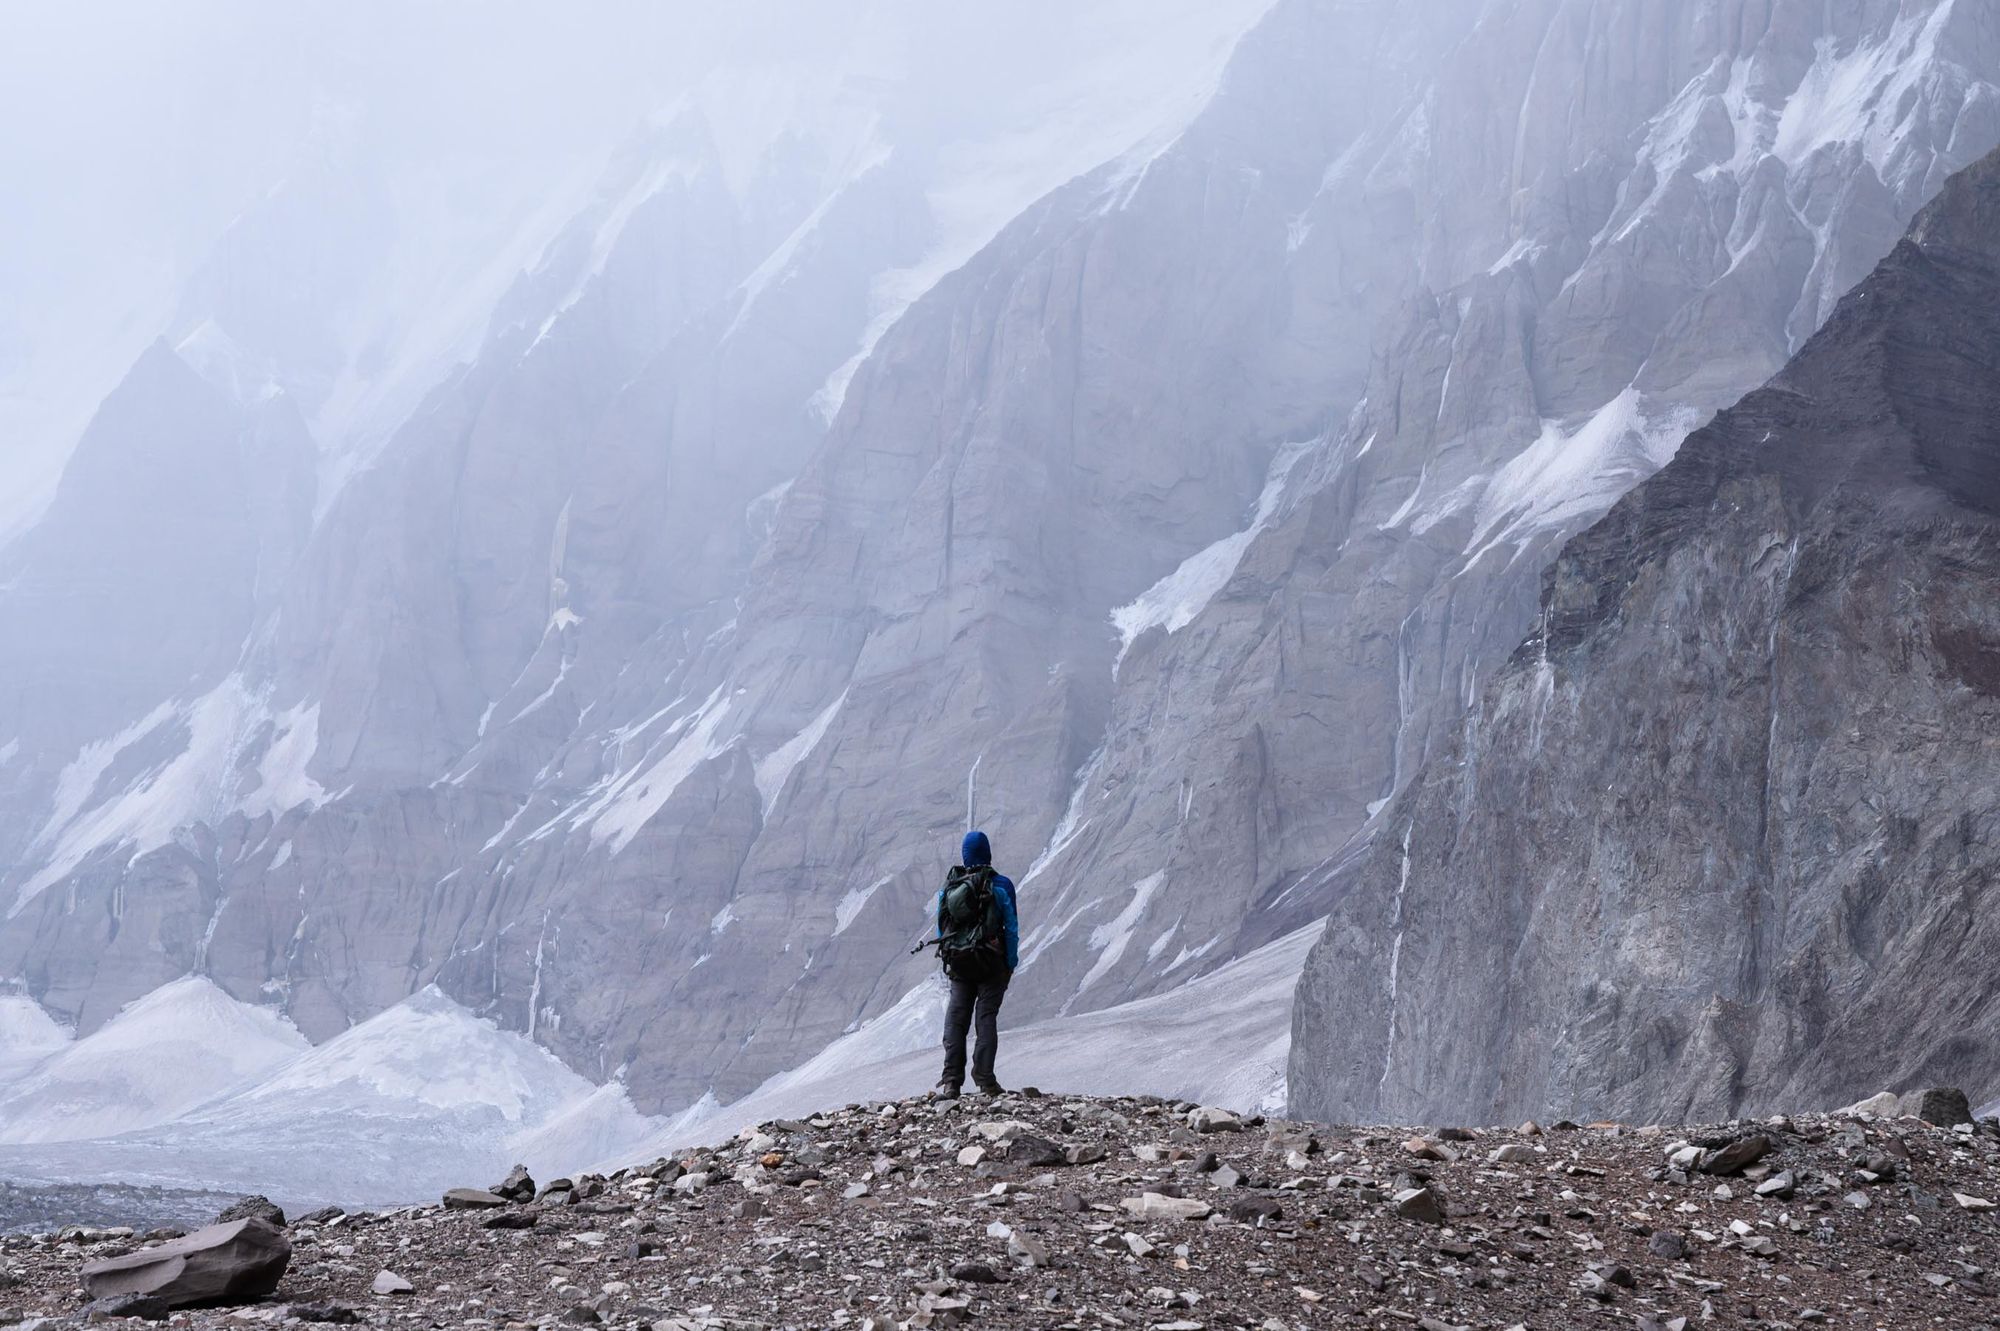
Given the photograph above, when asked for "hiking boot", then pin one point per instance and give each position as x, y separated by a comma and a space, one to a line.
946, 1090
990, 1087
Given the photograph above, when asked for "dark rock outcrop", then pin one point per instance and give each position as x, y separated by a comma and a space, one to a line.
232, 1263
258, 1207
1725, 832
1942, 1105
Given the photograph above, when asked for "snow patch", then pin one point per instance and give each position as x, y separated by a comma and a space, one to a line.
779, 262
1525, 250
1860, 97
201, 782
1111, 937
849, 906
774, 767
632, 800
1570, 472
1136, 73
283, 783
217, 358
1175, 600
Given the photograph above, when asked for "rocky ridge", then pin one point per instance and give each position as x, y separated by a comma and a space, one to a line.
1718, 838
1061, 1211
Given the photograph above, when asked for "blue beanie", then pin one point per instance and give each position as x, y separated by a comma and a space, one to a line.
975, 850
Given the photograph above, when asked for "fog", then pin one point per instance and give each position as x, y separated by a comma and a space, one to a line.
136, 133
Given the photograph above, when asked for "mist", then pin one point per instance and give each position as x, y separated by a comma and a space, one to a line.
138, 134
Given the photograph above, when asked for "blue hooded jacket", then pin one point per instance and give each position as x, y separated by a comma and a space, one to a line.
977, 850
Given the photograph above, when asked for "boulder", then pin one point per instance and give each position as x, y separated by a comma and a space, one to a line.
145, 1307
1156, 1206
1421, 1204
472, 1199
517, 1186
1207, 1118
1000, 1130
233, 1263
258, 1207
1737, 1156
1667, 1245
1255, 1210
1945, 1106
510, 1220
1025, 1148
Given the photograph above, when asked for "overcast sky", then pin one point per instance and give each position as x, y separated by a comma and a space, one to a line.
136, 130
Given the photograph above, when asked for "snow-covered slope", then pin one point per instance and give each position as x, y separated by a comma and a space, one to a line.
172, 1051
1221, 1039
426, 1096
28, 1035
421, 1097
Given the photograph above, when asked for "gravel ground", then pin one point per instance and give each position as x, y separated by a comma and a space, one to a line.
1050, 1211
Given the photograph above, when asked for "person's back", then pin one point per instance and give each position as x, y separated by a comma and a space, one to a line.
979, 941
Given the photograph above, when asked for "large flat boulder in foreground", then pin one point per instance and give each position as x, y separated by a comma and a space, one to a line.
232, 1263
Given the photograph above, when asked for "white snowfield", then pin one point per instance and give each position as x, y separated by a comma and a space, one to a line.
191, 1088
181, 1046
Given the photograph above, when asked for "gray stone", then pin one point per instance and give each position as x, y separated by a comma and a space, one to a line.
146, 1307
518, 1186
516, 1219
233, 1263
1945, 1106
472, 1199
1736, 1156
1422, 1204
1025, 1148
1667, 1245
1157, 1206
1255, 1210
1780, 1184
258, 1207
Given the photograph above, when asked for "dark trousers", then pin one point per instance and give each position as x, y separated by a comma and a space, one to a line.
974, 1007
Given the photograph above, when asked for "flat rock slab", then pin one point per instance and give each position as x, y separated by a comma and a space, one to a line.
233, 1263
1154, 1206
473, 1199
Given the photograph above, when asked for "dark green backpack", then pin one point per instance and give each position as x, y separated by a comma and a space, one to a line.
972, 934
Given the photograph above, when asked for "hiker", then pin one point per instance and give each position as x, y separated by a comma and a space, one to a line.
979, 942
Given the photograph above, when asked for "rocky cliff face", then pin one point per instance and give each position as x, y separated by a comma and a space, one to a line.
635, 688
1720, 834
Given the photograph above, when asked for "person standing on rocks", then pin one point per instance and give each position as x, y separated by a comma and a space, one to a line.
979, 942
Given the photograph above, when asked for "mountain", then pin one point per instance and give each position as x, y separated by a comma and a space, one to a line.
1718, 836
1149, 466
